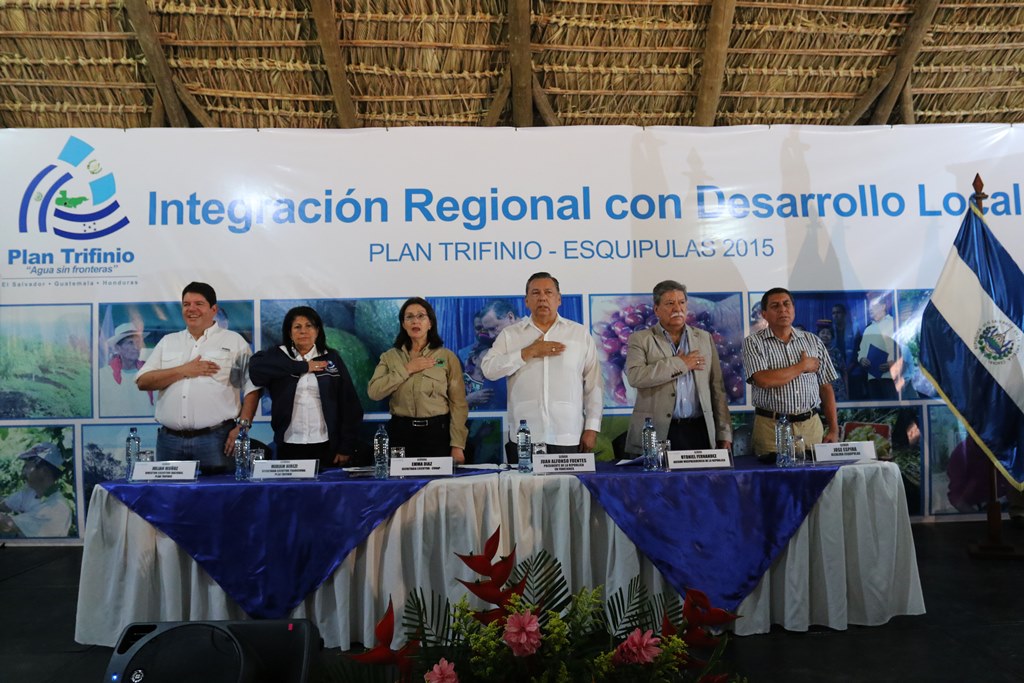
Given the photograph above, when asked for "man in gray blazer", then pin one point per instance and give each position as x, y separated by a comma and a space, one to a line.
674, 368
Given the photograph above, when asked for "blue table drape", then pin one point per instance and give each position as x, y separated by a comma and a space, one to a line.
238, 531
269, 545
714, 530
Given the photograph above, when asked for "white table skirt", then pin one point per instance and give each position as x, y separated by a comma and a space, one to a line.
852, 561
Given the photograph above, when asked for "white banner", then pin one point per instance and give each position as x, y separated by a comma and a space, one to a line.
104, 227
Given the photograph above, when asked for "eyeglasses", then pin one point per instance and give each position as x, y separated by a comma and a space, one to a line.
415, 317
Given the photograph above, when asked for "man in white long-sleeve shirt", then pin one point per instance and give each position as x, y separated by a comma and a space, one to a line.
554, 376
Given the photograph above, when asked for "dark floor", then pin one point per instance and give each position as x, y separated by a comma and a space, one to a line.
973, 631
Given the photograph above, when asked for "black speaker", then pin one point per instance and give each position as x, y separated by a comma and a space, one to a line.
271, 651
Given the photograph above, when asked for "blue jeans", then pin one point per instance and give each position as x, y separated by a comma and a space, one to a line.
207, 448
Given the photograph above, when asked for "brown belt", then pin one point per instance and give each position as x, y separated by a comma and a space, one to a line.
799, 417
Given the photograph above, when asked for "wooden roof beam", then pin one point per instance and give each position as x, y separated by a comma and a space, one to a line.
490, 119
907, 103
913, 39
712, 74
870, 95
520, 63
145, 32
193, 106
329, 34
543, 104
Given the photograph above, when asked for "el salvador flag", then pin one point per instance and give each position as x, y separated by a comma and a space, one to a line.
971, 343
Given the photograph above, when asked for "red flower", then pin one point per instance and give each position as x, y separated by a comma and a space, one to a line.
697, 610
382, 653
522, 633
637, 648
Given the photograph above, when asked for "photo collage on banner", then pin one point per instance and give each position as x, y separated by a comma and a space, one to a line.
37, 482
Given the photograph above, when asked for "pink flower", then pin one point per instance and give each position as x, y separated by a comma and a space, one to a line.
443, 672
637, 648
522, 633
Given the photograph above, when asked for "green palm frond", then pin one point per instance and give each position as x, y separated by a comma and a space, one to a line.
546, 586
430, 623
638, 609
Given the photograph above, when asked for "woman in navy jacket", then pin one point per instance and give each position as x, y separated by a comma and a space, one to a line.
316, 412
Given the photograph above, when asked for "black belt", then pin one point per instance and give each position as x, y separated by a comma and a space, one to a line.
189, 433
421, 421
686, 420
800, 417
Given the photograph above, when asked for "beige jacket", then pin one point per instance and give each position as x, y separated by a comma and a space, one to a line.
652, 369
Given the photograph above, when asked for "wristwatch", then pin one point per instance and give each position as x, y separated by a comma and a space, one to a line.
243, 422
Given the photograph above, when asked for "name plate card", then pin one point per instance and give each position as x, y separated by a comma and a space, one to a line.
442, 466
284, 469
563, 463
709, 458
846, 451
166, 470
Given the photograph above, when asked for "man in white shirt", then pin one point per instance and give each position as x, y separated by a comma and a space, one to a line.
38, 509
554, 377
199, 374
877, 351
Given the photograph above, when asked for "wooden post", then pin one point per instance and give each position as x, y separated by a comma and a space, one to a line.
520, 62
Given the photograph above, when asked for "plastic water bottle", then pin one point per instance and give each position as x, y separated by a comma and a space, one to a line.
783, 442
132, 446
381, 453
524, 448
243, 465
649, 440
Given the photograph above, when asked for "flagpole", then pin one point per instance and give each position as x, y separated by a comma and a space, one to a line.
993, 546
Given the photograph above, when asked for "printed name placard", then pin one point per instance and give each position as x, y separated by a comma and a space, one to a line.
562, 463
709, 458
845, 451
167, 470
422, 467
284, 469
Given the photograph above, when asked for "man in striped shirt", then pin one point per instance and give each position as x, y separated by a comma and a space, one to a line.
791, 374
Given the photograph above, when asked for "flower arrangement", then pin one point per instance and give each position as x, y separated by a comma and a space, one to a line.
537, 631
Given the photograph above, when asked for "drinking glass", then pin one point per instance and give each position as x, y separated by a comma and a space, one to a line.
663, 448
799, 451
146, 456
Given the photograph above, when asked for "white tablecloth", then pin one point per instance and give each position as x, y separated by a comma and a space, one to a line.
851, 562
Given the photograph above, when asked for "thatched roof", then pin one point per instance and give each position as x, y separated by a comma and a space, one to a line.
350, 63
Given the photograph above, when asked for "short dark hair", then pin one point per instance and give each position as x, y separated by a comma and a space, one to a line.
772, 292
202, 289
403, 340
666, 286
543, 275
313, 317
499, 307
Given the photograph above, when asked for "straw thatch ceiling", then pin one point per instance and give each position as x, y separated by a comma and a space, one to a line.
351, 63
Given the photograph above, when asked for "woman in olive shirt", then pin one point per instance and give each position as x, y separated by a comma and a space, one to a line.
424, 381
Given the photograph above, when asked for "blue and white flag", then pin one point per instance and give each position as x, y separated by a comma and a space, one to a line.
971, 343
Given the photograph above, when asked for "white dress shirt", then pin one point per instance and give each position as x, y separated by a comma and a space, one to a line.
558, 396
308, 424
200, 402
